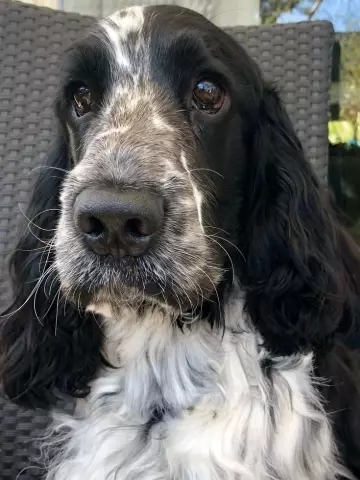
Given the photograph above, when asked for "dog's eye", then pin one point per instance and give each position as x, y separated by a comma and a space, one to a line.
82, 100
208, 96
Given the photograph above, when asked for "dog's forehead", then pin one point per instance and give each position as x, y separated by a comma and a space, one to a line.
126, 21
124, 29
133, 31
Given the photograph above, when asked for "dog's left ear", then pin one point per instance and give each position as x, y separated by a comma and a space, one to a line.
301, 273
46, 344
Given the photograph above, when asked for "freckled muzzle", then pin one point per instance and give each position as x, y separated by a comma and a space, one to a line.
134, 210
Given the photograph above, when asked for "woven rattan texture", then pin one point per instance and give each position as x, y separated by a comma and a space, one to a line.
297, 58
32, 39
20, 433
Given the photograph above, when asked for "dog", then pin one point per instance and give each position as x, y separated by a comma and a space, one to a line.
182, 271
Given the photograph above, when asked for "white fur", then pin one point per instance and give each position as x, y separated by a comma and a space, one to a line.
128, 20
120, 56
118, 26
160, 123
196, 192
223, 417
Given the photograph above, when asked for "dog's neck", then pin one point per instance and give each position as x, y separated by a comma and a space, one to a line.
161, 366
205, 403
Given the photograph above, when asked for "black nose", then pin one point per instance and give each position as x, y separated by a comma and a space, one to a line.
119, 223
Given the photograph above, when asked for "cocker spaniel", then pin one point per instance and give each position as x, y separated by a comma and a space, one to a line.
183, 271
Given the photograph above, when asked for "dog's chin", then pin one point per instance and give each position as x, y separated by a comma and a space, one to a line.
128, 285
135, 282
115, 311
110, 300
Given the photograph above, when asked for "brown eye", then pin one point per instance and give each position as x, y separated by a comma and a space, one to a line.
82, 100
208, 96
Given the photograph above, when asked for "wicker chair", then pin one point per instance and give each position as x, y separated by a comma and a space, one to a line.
297, 56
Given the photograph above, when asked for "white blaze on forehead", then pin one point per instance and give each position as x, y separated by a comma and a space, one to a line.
196, 192
118, 26
128, 20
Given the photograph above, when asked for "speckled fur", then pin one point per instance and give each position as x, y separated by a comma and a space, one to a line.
196, 405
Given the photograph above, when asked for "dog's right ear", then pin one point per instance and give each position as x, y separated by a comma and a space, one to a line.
301, 270
46, 345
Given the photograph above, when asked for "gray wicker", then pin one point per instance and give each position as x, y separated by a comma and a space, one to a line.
297, 56
32, 40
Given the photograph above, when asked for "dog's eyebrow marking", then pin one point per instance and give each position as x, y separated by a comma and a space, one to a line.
196, 192
118, 26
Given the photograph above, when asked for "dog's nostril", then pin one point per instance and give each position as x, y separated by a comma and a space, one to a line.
91, 226
135, 227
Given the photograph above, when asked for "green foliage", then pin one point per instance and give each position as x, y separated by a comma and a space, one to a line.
350, 77
270, 10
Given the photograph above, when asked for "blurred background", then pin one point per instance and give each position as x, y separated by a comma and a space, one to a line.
344, 108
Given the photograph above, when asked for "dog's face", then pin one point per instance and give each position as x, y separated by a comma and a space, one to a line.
154, 118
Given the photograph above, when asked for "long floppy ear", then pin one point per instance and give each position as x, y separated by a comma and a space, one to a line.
300, 271
46, 345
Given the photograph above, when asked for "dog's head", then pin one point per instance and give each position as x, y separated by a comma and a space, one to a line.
154, 118
176, 171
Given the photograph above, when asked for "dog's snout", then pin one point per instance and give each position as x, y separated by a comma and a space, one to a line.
119, 223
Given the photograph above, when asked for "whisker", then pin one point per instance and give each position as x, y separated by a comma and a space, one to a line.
57, 311
43, 276
226, 253
9, 315
232, 244
28, 250
46, 211
207, 170
31, 221
189, 280
49, 248
212, 283
55, 278
217, 228
48, 167
37, 238
51, 304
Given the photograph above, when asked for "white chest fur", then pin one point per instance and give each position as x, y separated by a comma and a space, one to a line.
197, 405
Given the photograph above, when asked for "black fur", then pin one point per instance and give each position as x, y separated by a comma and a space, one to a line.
47, 346
300, 290
298, 268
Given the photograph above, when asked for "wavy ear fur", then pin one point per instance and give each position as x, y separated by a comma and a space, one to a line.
46, 345
301, 272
